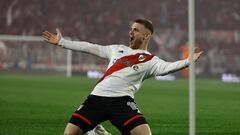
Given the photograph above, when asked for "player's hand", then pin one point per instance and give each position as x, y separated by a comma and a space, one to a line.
197, 54
51, 37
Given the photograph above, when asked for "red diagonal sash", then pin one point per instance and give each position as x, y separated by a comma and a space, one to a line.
127, 61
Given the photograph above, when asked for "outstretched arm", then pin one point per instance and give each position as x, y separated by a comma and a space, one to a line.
161, 67
95, 49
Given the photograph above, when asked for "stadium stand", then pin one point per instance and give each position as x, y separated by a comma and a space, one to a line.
107, 22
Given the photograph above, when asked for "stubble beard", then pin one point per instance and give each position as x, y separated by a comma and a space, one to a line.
135, 43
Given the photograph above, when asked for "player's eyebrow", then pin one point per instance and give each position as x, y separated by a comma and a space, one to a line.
135, 29
130, 26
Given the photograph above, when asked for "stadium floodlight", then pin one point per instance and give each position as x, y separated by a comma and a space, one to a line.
192, 93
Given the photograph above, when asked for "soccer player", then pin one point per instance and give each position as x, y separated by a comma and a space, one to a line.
113, 96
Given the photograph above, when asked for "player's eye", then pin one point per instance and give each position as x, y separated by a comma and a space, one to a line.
135, 30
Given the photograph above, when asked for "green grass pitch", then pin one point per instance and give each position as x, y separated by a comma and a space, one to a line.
42, 105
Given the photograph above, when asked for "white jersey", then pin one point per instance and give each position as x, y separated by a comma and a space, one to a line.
127, 68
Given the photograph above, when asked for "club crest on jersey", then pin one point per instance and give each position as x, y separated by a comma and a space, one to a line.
135, 67
141, 57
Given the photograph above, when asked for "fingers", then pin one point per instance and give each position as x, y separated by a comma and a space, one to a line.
46, 35
196, 50
57, 30
50, 37
198, 54
59, 34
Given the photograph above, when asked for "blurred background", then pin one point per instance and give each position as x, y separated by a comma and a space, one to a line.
37, 99
107, 22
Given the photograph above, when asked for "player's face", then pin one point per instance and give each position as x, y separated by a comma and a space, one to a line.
137, 34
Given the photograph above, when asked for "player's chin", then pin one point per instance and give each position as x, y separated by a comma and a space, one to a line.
131, 42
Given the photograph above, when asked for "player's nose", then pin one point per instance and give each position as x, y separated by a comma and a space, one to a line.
130, 33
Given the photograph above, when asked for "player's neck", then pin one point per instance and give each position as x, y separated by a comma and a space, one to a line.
139, 46
142, 47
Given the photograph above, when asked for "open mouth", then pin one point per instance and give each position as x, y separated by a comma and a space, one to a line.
131, 38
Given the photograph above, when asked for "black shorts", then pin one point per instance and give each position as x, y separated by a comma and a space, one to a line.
122, 112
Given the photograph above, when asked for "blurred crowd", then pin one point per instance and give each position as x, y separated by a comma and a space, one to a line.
107, 22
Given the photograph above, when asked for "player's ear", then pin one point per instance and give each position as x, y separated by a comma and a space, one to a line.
147, 36
144, 36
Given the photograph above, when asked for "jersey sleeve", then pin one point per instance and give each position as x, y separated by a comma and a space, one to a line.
95, 49
161, 67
